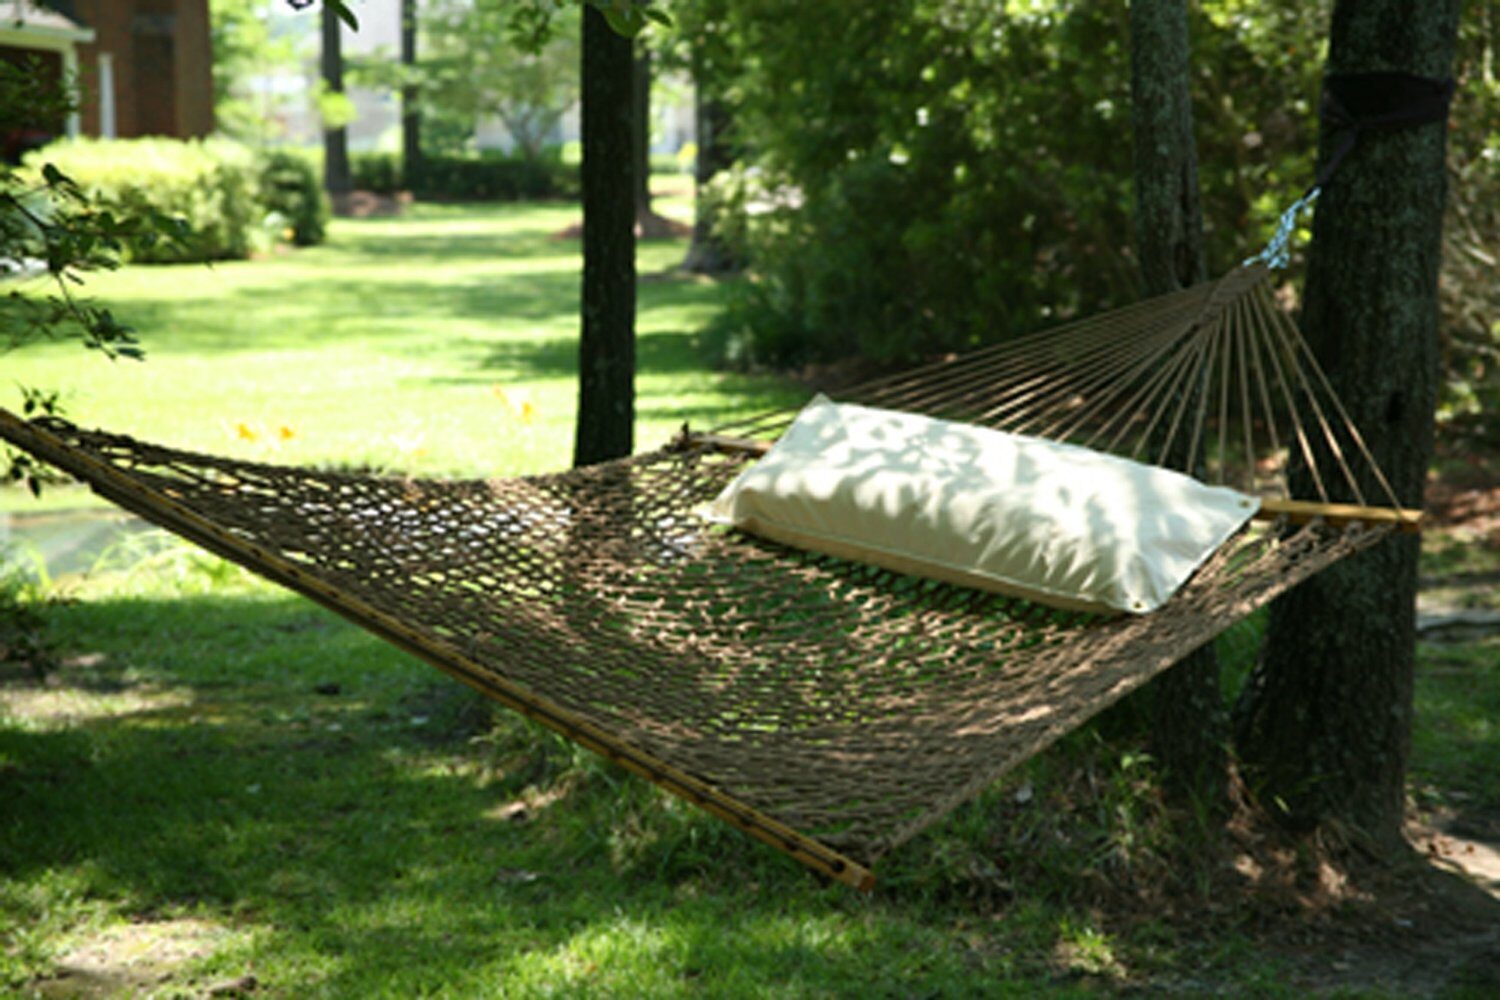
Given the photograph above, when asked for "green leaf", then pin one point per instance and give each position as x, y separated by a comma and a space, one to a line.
627, 22
346, 15
631, 17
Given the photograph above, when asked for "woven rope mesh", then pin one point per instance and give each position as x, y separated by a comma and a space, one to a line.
852, 704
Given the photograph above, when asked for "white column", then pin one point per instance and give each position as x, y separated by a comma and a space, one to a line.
107, 127
70, 81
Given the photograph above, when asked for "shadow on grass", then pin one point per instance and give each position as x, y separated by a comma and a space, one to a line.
397, 311
254, 762
1456, 736
656, 353
267, 766
416, 245
314, 310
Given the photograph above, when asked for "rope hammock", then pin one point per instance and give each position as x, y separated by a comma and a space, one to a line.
830, 709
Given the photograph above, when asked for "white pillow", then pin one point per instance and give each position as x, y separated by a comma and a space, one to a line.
1054, 523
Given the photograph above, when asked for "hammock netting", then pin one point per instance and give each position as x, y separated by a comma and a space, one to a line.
831, 709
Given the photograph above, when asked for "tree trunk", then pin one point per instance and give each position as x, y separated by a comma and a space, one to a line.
411, 115
336, 179
648, 224
1324, 726
606, 356
1168, 218
707, 254
1184, 706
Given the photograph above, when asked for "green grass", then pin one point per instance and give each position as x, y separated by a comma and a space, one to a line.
441, 342
1456, 735
220, 761
369, 842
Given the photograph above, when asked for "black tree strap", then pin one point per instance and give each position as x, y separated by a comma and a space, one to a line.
1356, 103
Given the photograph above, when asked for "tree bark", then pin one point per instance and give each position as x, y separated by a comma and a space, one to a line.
1183, 705
336, 178
707, 254
1324, 726
1169, 216
641, 82
411, 115
606, 356
648, 224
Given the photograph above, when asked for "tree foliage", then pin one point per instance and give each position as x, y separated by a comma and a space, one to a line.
921, 176
52, 234
956, 170
1469, 293
473, 69
246, 45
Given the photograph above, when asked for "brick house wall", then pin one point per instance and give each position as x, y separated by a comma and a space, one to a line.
149, 70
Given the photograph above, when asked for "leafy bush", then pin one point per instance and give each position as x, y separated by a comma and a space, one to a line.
24, 601
494, 178
971, 179
1469, 293
291, 189
377, 172
975, 180
212, 185
487, 177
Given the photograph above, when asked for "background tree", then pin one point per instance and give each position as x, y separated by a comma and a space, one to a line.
477, 67
1185, 704
648, 224
244, 47
960, 173
606, 360
1325, 722
336, 176
700, 46
411, 112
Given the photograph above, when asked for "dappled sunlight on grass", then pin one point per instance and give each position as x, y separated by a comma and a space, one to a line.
135, 957
347, 822
378, 350
41, 706
327, 798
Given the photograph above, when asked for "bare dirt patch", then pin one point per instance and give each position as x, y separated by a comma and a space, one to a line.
139, 959
1422, 924
83, 687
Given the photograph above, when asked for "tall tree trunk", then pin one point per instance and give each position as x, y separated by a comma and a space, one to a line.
336, 179
1184, 705
411, 115
1324, 726
707, 254
1169, 217
648, 224
606, 356
641, 82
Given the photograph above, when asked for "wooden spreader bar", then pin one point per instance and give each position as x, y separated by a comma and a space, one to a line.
1271, 509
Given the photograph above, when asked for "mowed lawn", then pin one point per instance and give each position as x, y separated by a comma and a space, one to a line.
443, 341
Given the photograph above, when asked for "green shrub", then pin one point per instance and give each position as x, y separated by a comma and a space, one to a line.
291, 189
487, 177
975, 182
494, 178
212, 185
377, 172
